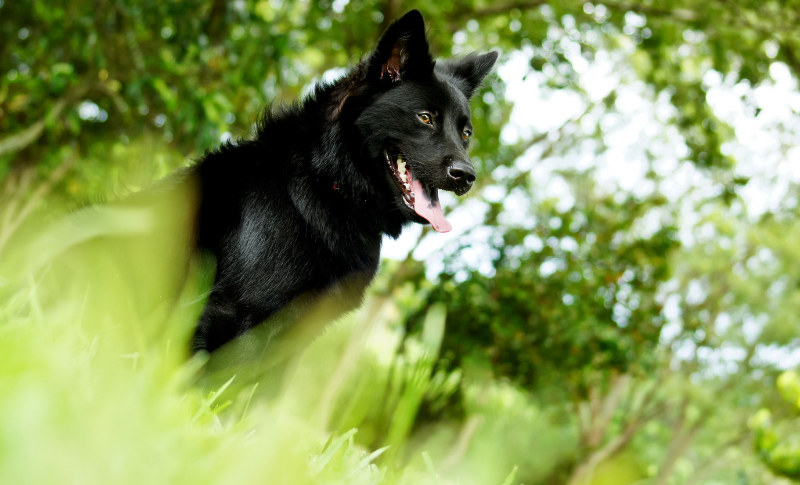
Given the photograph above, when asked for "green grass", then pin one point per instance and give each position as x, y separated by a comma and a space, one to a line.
97, 385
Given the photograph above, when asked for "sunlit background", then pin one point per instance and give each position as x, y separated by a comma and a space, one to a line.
617, 303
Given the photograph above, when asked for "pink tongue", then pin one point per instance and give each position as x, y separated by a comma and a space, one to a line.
429, 209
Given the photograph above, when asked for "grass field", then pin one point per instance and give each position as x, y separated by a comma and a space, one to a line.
97, 387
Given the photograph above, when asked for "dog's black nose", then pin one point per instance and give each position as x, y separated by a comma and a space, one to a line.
462, 174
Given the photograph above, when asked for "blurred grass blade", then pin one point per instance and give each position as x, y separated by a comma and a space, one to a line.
511, 476
429, 464
247, 404
418, 379
322, 460
433, 330
206, 406
83, 226
366, 462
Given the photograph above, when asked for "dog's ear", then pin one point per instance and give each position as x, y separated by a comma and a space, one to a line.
469, 71
402, 51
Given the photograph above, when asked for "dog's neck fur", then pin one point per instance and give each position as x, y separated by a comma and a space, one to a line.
329, 115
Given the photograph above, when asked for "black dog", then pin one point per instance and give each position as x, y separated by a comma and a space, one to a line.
296, 214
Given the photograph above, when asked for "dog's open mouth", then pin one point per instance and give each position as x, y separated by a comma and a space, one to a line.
421, 198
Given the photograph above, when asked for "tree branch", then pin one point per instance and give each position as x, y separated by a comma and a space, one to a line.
215, 24
681, 438
498, 9
677, 14
609, 407
391, 10
718, 457
583, 473
11, 218
24, 138
790, 57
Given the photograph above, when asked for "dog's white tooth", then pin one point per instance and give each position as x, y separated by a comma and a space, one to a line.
407, 186
403, 176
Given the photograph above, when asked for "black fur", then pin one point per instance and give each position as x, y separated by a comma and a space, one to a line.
296, 213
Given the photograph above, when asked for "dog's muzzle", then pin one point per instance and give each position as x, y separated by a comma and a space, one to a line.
462, 175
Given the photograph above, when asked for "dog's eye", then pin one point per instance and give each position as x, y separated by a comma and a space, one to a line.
425, 118
466, 134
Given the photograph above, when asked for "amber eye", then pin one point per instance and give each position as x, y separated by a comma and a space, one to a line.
425, 118
466, 134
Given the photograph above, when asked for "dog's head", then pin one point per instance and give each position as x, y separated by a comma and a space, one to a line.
417, 124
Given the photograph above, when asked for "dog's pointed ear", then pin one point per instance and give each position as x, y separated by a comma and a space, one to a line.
402, 51
469, 71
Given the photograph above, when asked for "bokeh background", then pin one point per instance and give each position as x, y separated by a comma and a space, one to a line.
618, 302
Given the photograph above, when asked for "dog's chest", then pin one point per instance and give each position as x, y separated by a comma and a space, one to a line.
338, 284
355, 267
